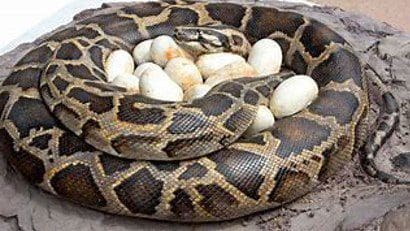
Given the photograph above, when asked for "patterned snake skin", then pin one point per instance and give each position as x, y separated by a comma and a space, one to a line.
72, 134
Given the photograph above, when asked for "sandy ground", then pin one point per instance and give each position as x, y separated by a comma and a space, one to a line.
349, 200
395, 12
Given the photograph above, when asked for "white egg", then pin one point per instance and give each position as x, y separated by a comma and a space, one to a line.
156, 84
184, 72
264, 119
127, 81
163, 49
266, 57
293, 95
141, 52
118, 62
233, 70
196, 91
145, 66
208, 64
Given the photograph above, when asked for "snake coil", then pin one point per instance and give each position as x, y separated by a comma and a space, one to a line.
74, 135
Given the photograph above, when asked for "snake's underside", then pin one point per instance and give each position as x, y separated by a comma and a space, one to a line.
67, 130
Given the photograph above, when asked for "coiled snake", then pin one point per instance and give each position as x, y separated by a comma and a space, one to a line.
74, 135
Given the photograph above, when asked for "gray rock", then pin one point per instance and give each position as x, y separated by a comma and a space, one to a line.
350, 200
397, 220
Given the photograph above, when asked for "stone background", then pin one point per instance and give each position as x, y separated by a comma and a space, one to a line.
393, 12
348, 201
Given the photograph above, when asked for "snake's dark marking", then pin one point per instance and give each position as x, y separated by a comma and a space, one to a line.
112, 164
41, 142
76, 182
136, 197
193, 171
182, 205
25, 78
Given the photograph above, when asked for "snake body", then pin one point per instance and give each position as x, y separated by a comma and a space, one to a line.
72, 134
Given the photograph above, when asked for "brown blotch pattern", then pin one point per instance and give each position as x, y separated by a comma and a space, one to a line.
4, 98
71, 144
227, 13
331, 70
29, 114
184, 123
216, 200
265, 21
68, 51
60, 83
284, 45
296, 134
61, 109
173, 147
112, 24
80, 71
177, 17
317, 36
31, 167
112, 164
213, 105
125, 143
239, 119
232, 88
341, 105
299, 66
290, 184
97, 104
96, 56
76, 183
51, 69
140, 192
89, 126
264, 90
165, 166
38, 55
73, 32
193, 171
144, 9
103, 87
182, 205
41, 142
251, 97
141, 116
25, 78
242, 169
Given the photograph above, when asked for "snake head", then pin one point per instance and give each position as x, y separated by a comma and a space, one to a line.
211, 39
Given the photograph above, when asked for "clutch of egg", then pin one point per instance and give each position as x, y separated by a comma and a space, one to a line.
166, 72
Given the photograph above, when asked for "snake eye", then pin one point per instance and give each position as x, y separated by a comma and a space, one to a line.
237, 40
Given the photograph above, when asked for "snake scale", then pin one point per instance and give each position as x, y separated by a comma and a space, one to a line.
68, 131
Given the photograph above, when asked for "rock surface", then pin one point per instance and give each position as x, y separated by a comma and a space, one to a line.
348, 201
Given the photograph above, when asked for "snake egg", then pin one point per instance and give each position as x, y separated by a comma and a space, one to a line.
264, 119
184, 72
208, 64
145, 66
237, 69
293, 95
141, 52
266, 57
127, 81
163, 49
118, 62
196, 91
156, 84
